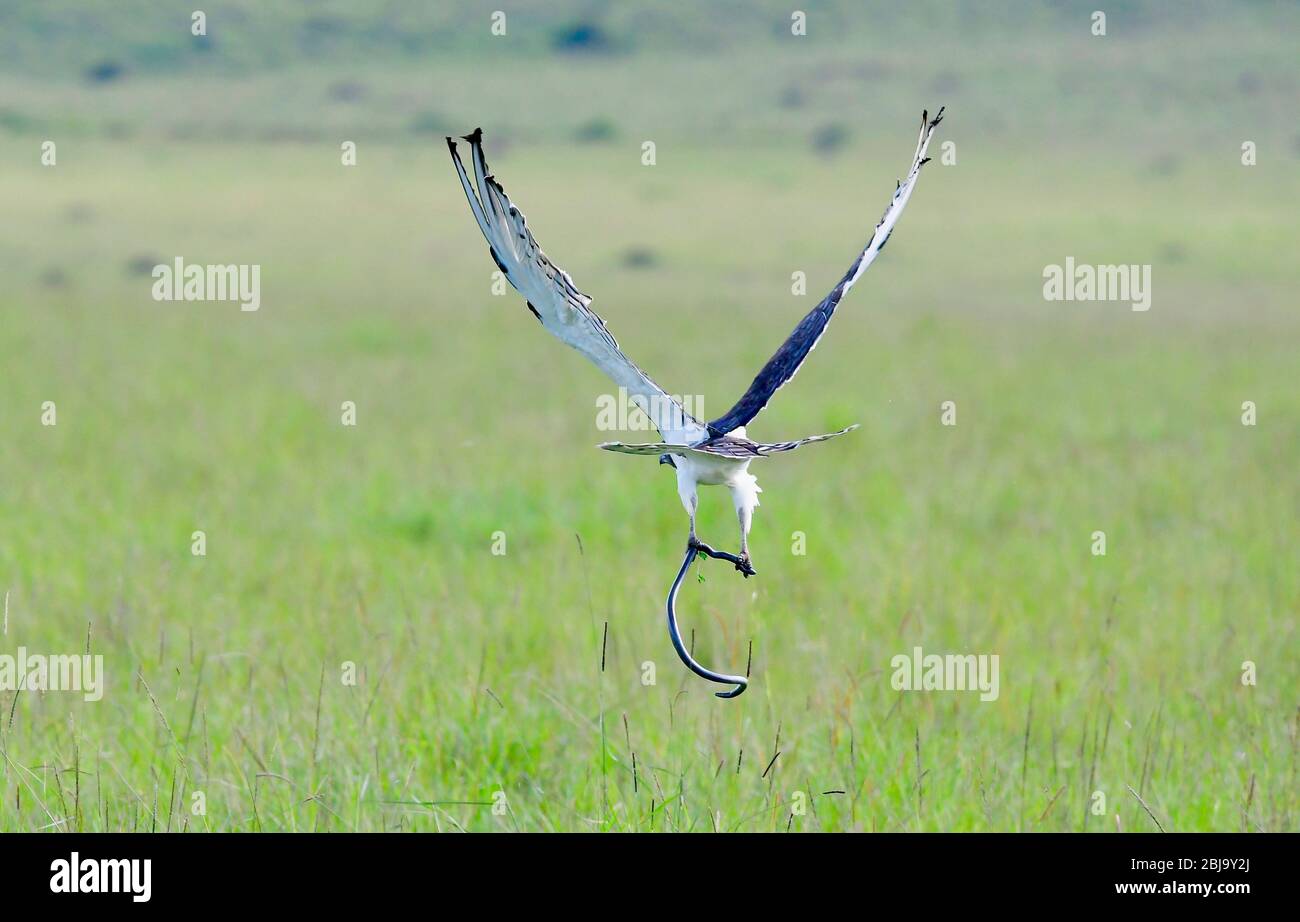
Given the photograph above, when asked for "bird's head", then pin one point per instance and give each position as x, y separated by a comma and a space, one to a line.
666, 458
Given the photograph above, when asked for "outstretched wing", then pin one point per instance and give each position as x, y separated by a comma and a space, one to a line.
723, 446
553, 299
767, 448
781, 367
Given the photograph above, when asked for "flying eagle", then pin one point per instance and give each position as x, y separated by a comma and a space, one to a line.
717, 452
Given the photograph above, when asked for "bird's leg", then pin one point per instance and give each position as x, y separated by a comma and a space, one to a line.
745, 515
692, 541
690, 500
744, 537
744, 558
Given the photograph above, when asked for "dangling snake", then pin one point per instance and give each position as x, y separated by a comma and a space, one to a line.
692, 549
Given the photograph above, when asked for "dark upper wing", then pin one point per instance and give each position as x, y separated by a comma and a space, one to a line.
564, 311
781, 367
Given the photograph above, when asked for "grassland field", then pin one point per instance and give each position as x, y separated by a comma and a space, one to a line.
479, 674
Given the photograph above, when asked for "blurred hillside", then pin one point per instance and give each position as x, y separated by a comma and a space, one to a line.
592, 72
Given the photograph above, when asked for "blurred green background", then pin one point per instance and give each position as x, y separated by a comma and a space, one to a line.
480, 675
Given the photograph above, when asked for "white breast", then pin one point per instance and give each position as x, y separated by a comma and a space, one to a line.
714, 469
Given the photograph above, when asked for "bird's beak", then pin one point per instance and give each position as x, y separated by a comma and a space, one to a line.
667, 459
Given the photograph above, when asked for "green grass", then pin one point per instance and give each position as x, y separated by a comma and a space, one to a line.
478, 673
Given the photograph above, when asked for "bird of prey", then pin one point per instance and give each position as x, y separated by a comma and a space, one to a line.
717, 452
